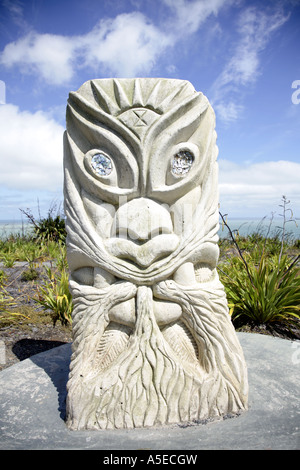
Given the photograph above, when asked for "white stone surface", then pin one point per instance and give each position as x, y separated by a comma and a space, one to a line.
153, 340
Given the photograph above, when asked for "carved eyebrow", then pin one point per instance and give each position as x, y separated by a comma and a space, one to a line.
84, 119
82, 109
188, 111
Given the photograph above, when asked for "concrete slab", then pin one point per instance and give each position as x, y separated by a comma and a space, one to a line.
32, 407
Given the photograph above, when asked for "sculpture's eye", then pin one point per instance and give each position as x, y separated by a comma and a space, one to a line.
111, 172
101, 164
182, 162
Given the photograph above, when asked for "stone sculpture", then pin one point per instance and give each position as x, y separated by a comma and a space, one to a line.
153, 342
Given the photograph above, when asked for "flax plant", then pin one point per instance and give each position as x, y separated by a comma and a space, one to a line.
54, 295
262, 288
268, 293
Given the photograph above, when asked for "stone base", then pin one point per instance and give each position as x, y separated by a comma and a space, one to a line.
33, 392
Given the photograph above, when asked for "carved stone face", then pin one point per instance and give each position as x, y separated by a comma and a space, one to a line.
141, 155
141, 201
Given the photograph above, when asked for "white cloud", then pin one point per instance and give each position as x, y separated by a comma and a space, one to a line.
189, 15
127, 45
15, 11
257, 189
229, 111
31, 150
255, 28
46, 54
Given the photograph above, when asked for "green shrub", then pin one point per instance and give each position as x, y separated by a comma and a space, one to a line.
296, 244
262, 282
50, 228
31, 274
8, 259
268, 293
55, 295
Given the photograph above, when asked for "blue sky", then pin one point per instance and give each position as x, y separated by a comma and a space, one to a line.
242, 54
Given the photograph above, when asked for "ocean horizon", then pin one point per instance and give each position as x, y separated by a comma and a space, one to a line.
244, 227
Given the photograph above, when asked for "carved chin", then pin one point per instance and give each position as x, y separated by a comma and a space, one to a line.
144, 254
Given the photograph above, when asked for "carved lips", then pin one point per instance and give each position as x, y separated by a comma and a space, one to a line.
144, 254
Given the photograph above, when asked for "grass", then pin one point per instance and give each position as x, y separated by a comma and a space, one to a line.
8, 307
23, 316
18, 248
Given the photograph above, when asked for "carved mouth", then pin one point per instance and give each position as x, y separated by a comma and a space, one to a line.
145, 254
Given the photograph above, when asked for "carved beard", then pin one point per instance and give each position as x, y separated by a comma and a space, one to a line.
146, 376
151, 346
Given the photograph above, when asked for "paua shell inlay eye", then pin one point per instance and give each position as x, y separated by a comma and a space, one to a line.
101, 164
182, 162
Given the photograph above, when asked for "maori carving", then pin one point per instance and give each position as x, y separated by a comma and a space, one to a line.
153, 343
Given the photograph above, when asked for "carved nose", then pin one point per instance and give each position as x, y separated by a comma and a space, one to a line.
142, 232
142, 219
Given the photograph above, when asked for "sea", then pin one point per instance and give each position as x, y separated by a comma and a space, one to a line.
264, 226
14, 227
242, 227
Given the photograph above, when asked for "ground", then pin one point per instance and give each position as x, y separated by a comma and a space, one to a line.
34, 332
